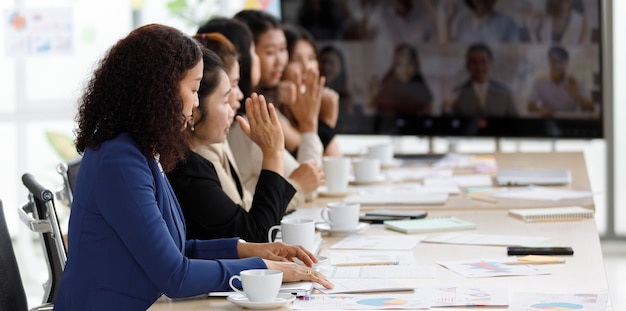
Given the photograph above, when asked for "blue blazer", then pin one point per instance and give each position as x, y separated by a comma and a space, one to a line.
127, 242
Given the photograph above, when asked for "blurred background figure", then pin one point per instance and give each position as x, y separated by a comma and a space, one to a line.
563, 22
302, 59
403, 90
481, 96
325, 19
483, 24
558, 91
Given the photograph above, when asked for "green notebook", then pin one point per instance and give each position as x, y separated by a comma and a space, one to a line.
435, 224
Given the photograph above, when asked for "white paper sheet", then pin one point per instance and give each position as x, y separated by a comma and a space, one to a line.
484, 239
362, 257
363, 285
465, 296
383, 272
541, 193
472, 180
406, 174
378, 242
490, 267
565, 301
362, 302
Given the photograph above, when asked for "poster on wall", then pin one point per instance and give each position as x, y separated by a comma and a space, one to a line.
271, 6
38, 32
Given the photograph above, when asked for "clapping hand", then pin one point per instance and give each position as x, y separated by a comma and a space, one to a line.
263, 125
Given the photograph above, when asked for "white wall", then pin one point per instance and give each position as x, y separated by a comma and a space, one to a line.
619, 114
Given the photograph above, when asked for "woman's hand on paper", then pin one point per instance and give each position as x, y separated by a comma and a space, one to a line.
293, 272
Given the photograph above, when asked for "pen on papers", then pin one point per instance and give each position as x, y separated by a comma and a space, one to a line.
371, 263
534, 262
482, 198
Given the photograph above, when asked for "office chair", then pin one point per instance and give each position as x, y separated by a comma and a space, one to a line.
68, 171
44, 221
12, 295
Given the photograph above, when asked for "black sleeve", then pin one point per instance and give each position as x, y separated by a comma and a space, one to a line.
209, 212
325, 132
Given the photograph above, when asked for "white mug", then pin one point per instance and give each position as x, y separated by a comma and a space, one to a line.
336, 173
259, 285
342, 215
383, 152
366, 169
297, 231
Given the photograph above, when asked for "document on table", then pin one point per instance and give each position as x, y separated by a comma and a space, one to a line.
465, 296
382, 272
471, 180
406, 174
390, 189
485, 239
589, 301
362, 285
541, 193
361, 302
378, 242
408, 188
490, 267
364, 258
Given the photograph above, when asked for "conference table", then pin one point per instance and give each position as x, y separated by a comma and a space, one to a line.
582, 272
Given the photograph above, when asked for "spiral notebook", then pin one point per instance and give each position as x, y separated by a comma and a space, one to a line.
552, 213
436, 224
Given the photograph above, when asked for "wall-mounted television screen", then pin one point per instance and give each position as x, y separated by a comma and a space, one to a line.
501, 68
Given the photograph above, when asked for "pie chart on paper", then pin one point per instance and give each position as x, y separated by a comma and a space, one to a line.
382, 302
557, 306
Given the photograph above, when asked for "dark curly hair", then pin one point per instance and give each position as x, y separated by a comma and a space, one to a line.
135, 90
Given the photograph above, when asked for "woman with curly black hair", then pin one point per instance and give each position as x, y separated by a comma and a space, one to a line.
127, 244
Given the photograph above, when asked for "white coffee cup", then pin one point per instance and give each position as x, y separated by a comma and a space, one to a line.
296, 231
336, 173
383, 152
259, 285
342, 215
366, 169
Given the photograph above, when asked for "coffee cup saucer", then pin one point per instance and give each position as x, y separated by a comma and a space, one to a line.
243, 301
378, 180
393, 163
325, 227
323, 192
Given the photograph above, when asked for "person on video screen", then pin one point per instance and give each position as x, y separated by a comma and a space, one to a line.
401, 21
557, 91
562, 23
481, 95
484, 24
403, 90
324, 19
332, 65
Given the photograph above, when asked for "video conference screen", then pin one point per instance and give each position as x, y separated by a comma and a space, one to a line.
507, 68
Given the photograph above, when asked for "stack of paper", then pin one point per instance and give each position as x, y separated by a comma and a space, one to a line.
425, 225
552, 213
